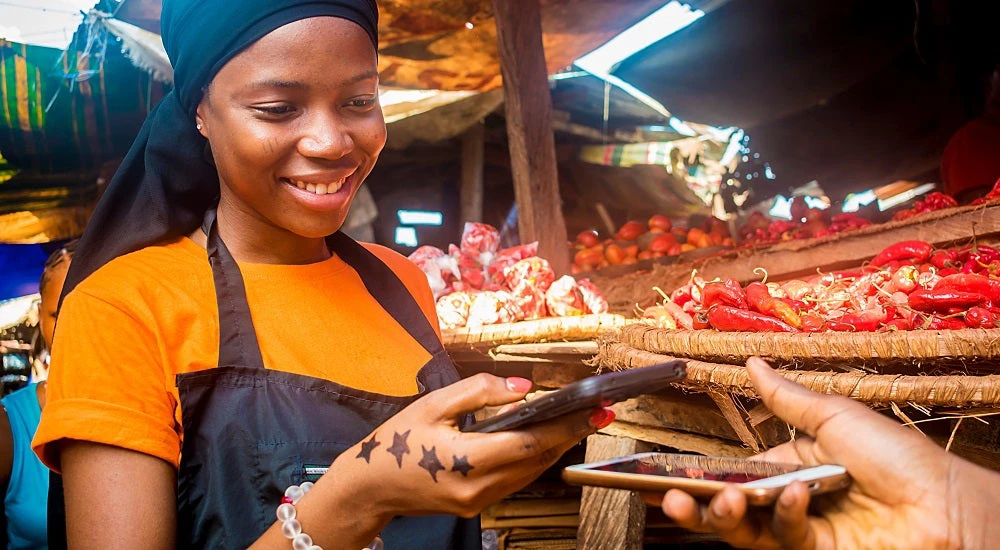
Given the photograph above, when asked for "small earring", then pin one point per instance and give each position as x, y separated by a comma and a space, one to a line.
198, 126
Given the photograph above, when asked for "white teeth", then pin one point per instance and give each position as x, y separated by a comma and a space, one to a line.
319, 188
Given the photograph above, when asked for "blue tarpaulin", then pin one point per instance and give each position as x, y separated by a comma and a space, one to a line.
20, 268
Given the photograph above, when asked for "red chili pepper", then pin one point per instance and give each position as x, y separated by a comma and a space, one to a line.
700, 321
731, 319
728, 293
839, 326
798, 306
812, 323
995, 192
761, 300
681, 299
683, 318
948, 271
864, 321
945, 323
942, 300
980, 317
971, 282
915, 251
944, 258
898, 324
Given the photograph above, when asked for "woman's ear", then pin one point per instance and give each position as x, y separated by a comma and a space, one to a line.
199, 120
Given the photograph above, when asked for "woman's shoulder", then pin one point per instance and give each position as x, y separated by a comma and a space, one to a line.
178, 264
399, 264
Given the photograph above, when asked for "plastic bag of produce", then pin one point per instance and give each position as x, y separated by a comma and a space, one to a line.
453, 310
564, 298
592, 297
535, 272
492, 308
530, 302
441, 269
480, 241
470, 270
508, 257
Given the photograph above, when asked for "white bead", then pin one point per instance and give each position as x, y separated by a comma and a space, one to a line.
291, 528
306, 486
376, 544
286, 512
302, 542
294, 492
314, 547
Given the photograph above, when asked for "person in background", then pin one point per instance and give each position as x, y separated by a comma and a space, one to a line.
970, 164
25, 477
907, 492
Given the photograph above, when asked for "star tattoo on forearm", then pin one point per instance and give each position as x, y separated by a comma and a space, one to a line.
430, 462
366, 449
461, 465
399, 446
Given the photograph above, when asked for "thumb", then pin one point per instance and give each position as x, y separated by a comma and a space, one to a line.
471, 394
794, 403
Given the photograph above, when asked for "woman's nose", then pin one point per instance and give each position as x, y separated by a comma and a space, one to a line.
326, 138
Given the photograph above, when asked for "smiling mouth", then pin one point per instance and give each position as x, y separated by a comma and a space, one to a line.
328, 188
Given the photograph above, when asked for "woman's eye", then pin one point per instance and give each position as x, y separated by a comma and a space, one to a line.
274, 110
363, 102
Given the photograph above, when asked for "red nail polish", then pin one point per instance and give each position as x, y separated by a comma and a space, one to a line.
601, 418
518, 384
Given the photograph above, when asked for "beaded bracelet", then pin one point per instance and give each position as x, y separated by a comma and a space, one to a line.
292, 529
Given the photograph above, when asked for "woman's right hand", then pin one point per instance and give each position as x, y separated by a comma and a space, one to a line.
419, 462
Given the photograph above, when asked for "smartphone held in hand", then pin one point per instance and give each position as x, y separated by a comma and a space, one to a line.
704, 476
589, 393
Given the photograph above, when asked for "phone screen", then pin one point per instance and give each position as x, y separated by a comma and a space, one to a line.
729, 470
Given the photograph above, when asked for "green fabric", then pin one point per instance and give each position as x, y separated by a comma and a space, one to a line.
94, 115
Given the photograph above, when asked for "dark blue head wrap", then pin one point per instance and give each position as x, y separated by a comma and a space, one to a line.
165, 184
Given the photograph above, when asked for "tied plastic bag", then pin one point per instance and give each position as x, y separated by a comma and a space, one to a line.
592, 297
535, 272
453, 310
530, 302
470, 271
481, 241
564, 298
492, 308
508, 257
440, 269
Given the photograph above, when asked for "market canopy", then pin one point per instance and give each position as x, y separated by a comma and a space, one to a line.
452, 44
850, 92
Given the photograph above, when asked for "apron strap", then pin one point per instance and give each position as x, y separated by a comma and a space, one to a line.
237, 337
383, 284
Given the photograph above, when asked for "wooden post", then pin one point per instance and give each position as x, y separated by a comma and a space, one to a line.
611, 518
472, 174
528, 107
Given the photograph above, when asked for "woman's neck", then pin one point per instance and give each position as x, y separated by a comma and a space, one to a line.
250, 238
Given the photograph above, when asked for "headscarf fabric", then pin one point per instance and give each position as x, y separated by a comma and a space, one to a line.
167, 182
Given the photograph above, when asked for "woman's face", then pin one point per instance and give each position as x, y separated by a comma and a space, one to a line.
52, 284
295, 125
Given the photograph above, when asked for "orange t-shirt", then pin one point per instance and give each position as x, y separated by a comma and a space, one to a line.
129, 328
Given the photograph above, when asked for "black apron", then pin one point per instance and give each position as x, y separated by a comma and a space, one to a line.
250, 432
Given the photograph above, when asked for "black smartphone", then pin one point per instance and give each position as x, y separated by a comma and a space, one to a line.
704, 476
589, 393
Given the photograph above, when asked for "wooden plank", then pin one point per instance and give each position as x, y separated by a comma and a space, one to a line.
735, 418
528, 109
548, 521
611, 518
686, 442
558, 375
534, 508
694, 413
471, 193
588, 348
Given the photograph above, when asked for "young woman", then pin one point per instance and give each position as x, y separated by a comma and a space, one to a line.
25, 479
214, 352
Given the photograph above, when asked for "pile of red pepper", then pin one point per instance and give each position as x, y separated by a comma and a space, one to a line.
813, 224
930, 203
908, 286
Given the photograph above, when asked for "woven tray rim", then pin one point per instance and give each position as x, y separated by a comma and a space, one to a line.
551, 329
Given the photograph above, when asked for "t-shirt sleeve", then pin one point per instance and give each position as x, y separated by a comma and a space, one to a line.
413, 278
106, 383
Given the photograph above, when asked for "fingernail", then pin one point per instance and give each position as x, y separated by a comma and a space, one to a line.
787, 499
518, 384
720, 508
601, 418
756, 361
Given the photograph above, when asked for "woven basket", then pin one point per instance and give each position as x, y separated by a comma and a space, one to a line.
873, 389
553, 329
926, 349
